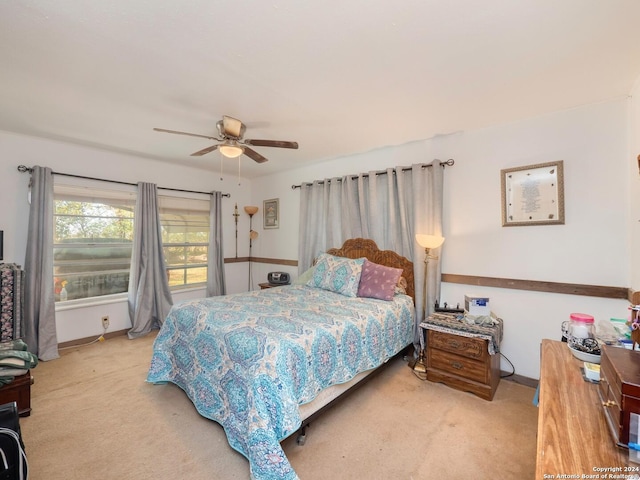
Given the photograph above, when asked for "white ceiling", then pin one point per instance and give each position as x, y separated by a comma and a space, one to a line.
337, 76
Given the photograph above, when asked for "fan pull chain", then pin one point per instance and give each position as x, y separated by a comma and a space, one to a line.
239, 171
221, 157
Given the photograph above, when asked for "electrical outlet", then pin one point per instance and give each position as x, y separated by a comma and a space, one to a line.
105, 322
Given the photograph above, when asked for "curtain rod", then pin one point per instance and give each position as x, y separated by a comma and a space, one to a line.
23, 169
448, 163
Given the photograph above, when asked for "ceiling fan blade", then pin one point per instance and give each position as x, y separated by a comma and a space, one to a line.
271, 143
185, 133
254, 155
204, 151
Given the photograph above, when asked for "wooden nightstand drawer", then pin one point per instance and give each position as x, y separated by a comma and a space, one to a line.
459, 360
457, 365
475, 348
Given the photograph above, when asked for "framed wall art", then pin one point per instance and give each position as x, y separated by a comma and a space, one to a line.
271, 212
533, 195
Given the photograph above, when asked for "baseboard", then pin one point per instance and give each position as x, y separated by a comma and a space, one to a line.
522, 380
83, 341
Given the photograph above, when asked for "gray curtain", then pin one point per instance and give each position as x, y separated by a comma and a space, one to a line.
39, 311
149, 293
427, 217
215, 263
389, 209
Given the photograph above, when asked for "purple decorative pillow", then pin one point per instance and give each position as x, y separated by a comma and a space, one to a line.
378, 281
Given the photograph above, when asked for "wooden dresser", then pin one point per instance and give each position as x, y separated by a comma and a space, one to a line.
19, 391
573, 435
463, 363
620, 390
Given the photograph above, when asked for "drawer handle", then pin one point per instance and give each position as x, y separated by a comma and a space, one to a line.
609, 403
456, 365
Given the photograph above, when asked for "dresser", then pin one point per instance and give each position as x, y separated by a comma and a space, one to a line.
459, 356
19, 391
619, 390
573, 435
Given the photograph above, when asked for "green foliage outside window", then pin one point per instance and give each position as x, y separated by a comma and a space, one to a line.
92, 249
93, 238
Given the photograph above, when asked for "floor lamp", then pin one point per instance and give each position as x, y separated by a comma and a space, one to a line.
251, 211
428, 242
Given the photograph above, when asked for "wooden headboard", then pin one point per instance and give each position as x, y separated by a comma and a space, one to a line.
363, 247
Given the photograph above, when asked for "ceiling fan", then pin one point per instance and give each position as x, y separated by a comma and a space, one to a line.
232, 142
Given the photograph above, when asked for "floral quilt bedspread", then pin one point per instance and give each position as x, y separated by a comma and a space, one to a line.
249, 360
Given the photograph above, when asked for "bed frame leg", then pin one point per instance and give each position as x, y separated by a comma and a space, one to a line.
302, 435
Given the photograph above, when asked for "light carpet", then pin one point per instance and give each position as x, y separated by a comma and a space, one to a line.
94, 417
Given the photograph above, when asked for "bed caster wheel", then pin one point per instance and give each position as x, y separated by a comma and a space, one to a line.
302, 438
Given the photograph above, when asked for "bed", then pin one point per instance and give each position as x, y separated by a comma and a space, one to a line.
263, 363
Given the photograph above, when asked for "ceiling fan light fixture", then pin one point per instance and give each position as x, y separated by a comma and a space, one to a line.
231, 149
230, 142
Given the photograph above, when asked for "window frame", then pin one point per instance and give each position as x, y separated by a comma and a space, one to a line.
131, 191
196, 205
73, 189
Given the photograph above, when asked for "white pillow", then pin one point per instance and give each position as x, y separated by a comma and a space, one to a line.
304, 278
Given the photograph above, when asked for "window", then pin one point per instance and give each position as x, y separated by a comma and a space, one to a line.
93, 235
93, 240
185, 239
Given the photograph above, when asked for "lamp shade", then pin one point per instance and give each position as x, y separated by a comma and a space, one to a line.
429, 241
251, 210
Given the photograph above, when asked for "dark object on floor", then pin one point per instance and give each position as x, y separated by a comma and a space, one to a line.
13, 460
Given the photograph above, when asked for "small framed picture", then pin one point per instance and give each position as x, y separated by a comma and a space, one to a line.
533, 195
271, 212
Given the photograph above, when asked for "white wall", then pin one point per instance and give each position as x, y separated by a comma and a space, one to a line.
81, 322
593, 247
634, 190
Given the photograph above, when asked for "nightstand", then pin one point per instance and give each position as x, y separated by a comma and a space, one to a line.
271, 285
463, 356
